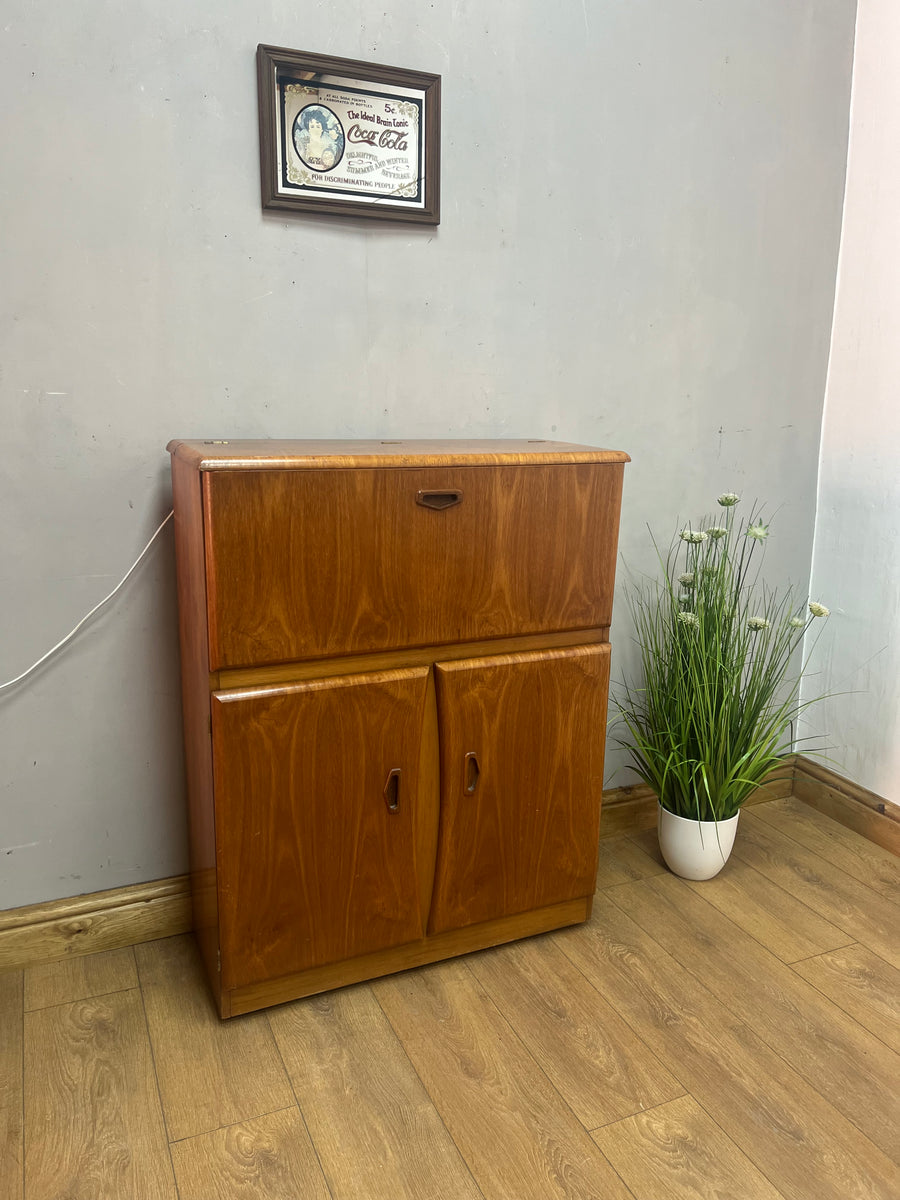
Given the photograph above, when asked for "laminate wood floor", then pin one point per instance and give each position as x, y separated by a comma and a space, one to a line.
735, 1038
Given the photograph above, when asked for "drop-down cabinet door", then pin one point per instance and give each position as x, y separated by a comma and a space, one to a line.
310, 564
318, 824
521, 740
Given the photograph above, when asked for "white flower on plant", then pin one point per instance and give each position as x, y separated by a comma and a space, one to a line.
796, 622
693, 535
686, 579
818, 610
729, 499
757, 623
689, 618
758, 531
716, 532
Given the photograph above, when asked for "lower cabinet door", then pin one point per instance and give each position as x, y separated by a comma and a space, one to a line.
316, 821
522, 741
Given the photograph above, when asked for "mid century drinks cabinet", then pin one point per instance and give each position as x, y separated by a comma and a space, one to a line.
395, 669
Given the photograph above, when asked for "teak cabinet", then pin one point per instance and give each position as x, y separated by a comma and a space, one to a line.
395, 667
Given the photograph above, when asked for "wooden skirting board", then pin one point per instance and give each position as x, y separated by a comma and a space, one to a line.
143, 912
97, 921
847, 803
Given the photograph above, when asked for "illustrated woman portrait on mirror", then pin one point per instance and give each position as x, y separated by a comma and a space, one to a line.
318, 137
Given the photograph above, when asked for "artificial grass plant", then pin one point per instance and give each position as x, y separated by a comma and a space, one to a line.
720, 657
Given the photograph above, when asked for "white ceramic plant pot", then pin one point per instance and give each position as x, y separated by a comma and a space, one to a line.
695, 849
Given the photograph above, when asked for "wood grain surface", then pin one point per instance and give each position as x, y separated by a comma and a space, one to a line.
313, 865
377, 1133
73, 979
854, 907
391, 660
91, 904
770, 914
773, 1115
622, 860
875, 817
11, 1085
268, 1158
194, 642
351, 563
588, 1052
527, 834
211, 1073
678, 1152
108, 920
482, 1082
763, 909
402, 958
855, 1071
519, 1138
428, 806
225, 454
864, 985
93, 1128
854, 854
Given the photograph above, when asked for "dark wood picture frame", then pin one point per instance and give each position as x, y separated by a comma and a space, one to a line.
299, 175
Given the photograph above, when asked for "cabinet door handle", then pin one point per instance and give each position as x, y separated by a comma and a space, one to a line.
392, 790
440, 499
471, 773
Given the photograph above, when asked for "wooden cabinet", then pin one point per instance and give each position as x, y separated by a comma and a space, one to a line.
395, 666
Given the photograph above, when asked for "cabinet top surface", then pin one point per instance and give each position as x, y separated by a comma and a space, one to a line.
260, 454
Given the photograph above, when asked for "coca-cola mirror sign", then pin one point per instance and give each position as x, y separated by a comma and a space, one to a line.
345, 138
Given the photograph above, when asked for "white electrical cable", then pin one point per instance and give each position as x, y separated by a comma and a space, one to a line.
59, 645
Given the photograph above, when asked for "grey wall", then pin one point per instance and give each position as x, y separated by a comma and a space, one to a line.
641, 211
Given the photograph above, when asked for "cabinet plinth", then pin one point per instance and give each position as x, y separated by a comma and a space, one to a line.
395, 668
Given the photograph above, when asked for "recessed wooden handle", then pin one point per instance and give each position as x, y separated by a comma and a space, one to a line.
439, 499
392, 790
471, 773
